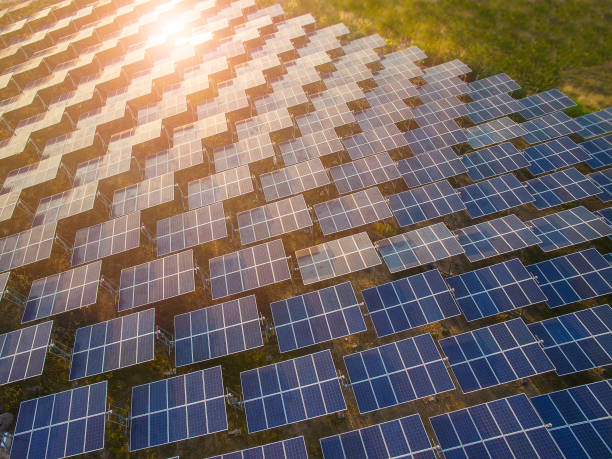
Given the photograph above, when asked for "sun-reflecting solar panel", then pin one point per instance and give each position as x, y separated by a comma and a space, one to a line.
438, 110
490, 86
216, 331
495, 131
579, 418
310, 146
249, 268
174, 159
294, 179
291, 391
404, 437
431, 166
396, 373
494, 160
554, 154
27, 247
316, 317
425, 203
143, 195
493, 355
544, 103
506, 427
63, 205
177, 408
560, 187
574, 277
115, 343
569, 227
157, 280
600, 150
336, 258
293, 448
363, 173
495, 237
409, 303
603, 179
219, 187
374, 141
549, 127
68, 290
494, 195
23, 352
62, 424
442, 89
435, 136
495, 289
597, 123
352, 210
492, 107
191, 228
418, 247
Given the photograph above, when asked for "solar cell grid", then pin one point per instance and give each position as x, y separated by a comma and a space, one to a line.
494, 160
606, 214
435, 136
442, 89
409, 303
396, 373
219, 187
316, 317
291, 391
445, 70
544, 103
310, 146
603, 179
112, 163
374, 141
425, 203
23, 352
382, 114
27, 247
364, 173
63, 205
494, 195
492, 107
243, 152
294, 179
438, 110
143, 195
113, 344
574, 277
218, 330
554, 155
548, 127
560, 187
291, 448
8, 202
600, 150
597, 123
431, 166
493, 132
490, 86
418, 247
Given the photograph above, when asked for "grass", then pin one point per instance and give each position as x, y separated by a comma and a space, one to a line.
540, 43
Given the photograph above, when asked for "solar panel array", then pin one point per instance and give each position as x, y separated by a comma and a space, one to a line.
548, 127
554, 154
494, 160
544, 103
23, 352
494, 195
364, 173
430, 167
219, 187
600, 150
494, 131
293, 447
594, 124
560, 187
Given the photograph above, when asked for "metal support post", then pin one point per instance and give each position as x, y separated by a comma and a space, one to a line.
109, 286
23, 206
63, 244
60, 350
67, 172
105, 202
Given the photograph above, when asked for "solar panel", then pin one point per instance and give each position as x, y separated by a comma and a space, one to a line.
606, 214
352, 210
62, 424
294, 179
435, 136
549, 127
403, 437
27, 247
544, 103
506, 427
178, 157
425, 203
381, 113
445, 70
219, 187
431, 166
396, 373
492, 107
108, 165
215, 331
495, 84
291, 448
600, 150
191, 228
245, 151
336, 258
442, 89
310, 146
438, 110
554, 155
8, 202
249, 268
364, 173
23, 352
418, 247
560, 187
177, 408
574, 277
494, 195
68, 290
568, 227
603, 179
116, 343
63, 205
4, 277
409, 303
493, 132
143, 195
156, 280
578, 418
317, 317
493, 160
495, 237
273, 219
597, 123
374, 141
291, 391
107, 238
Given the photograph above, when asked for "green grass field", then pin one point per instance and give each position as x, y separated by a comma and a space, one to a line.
540, 43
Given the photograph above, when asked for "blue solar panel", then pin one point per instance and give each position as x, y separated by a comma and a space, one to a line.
317, 316
569, 227
493, 355
495, 289
494, 195
577, 341
506, 427
574, 277
293, 448
61, 424
404, 437
560, 187
603, 179
429, 167
418, 247
544, 103
580, 419
492, 107
177, 408
600, 150
424, 203
492, 132
495, 237
215, 331
597, 123
554, 154
291, 391
23, 352
494, 160
549, 127
495, 84
606, 214
409, 303
435, 136
398, 372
